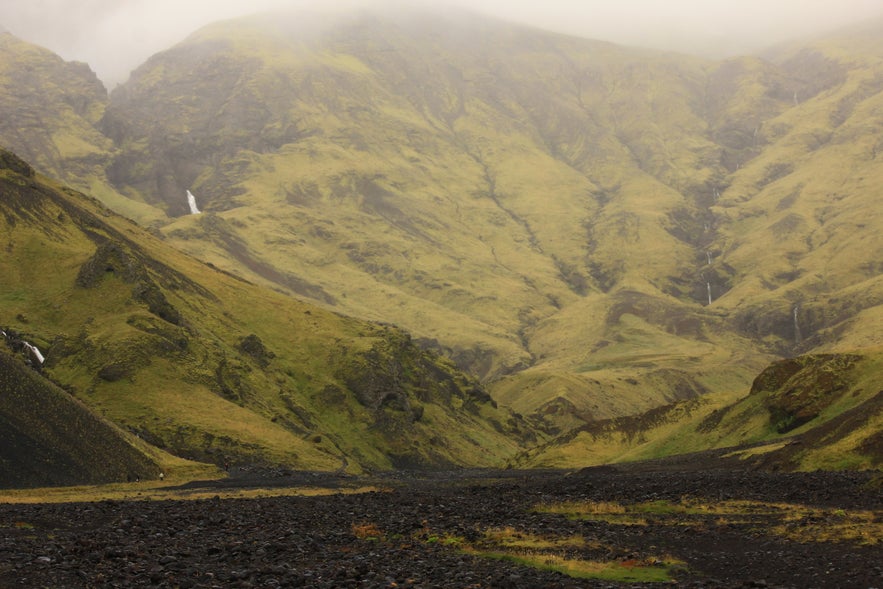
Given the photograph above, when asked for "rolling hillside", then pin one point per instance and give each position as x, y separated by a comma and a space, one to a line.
822, 411
591, 231
208, 367
475, 213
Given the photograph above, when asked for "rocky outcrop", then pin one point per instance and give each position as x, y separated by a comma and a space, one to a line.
10, 161
797, 390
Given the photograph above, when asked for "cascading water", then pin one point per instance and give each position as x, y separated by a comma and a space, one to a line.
798, 337
708, 257
191, 202
708, 286
35, 352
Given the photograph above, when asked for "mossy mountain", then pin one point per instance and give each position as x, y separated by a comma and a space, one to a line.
557, 211
592, 230
206, 366
818, 411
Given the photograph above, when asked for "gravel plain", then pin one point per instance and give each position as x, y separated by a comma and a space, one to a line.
425, 530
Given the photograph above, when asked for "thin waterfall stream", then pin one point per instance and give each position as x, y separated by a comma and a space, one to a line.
191, 202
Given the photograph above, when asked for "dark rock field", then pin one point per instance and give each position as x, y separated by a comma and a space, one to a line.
426, 531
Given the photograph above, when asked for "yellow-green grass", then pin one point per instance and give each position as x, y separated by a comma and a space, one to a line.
165, 491
191, 386
676, 434
529, 220
795, 521
651, 570
744, 419
193, 411
554, 553
544, 552
504, 211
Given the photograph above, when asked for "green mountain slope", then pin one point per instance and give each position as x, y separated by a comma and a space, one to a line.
514, 208
812, 412
209, 367
590, 230
51, 110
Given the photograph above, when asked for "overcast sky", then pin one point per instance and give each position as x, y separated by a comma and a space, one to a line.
115, 36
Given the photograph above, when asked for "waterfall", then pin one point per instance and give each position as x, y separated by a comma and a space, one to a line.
34, 351
708, 257
798, 337
191, 201
708, 286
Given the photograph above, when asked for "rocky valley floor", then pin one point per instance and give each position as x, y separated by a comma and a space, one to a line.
602, 527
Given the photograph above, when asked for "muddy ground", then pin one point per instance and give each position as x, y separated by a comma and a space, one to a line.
425, 531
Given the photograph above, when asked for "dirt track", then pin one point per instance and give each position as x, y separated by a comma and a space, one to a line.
415, 534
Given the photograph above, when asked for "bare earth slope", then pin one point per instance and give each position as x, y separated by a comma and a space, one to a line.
48, 438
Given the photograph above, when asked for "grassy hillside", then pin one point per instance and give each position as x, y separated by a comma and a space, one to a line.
209, 367
812, 412
51, 111
591, 231
511, 208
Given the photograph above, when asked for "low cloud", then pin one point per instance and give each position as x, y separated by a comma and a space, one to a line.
115, 36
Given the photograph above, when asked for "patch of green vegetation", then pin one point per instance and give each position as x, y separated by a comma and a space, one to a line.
629, 571
165, 490
552, 553
797, 522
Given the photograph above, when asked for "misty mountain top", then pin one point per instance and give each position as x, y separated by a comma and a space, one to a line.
115, 37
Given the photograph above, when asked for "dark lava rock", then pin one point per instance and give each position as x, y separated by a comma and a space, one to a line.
397, 538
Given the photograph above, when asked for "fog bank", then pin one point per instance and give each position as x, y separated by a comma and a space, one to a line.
115, 36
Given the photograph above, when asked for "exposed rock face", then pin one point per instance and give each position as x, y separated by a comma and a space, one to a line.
254, 347
10, 161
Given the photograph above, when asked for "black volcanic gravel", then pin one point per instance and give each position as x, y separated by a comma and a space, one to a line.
311, 541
